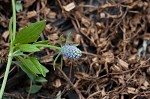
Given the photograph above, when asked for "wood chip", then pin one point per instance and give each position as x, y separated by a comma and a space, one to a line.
124, 64
132, 90
69, 7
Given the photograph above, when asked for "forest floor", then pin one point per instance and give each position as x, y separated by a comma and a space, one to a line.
113, 34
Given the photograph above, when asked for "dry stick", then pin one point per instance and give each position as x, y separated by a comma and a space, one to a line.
127, 71
132, 75
93, 94
2, 75
89, 39
142, 94
91, 54
75, 26
70, 71
68, 80
85, 51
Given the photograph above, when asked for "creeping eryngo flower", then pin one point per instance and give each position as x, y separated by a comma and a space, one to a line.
71, 51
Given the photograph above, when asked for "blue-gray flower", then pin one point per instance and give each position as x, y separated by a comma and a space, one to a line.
71, 51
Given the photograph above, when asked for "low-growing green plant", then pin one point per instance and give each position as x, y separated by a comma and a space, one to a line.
25, 41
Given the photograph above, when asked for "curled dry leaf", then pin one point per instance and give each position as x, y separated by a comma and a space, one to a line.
5, 35
28, 3
116, 68
84, 30
31, 14
121, 79
45, 11
107, 57
57, 83
52, 15
132, 59
48, 27
102, 42
53, 37
46, 59
77, 39
85, 21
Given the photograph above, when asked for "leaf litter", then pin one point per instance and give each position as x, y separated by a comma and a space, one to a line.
114, 36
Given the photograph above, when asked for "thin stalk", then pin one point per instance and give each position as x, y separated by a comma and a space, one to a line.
10, 55
14, 19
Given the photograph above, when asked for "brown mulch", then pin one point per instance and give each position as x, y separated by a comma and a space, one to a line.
114, 36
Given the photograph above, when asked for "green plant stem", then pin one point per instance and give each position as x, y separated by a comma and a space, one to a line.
14, 19
10, 55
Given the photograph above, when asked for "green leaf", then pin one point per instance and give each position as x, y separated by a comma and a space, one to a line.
19, 53
68, 37
30, 33
75, 44
28, 48
48, 46
40, 79
60, 40
26, 70
45, 42
19, 6
38, 66
55, 60
34, 88
29, 65
3, 97
45, 69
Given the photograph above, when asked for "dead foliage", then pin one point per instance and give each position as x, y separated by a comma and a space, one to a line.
114, 36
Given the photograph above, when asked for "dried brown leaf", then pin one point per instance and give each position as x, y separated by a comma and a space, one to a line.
5, 35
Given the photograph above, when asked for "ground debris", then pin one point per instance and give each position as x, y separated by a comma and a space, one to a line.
113, 34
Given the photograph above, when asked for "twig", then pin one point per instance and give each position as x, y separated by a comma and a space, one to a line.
68, 80
95, 93
91, 54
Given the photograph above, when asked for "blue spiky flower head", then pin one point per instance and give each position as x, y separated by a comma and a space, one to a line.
71, 51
